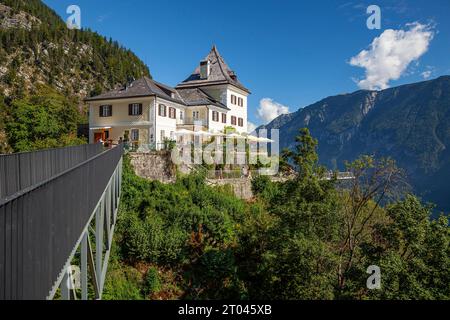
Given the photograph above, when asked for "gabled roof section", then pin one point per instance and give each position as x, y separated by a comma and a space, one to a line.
143, 87
220, 73
198, 97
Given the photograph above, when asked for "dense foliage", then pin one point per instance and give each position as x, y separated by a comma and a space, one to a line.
41, 121
187, 230
306, 238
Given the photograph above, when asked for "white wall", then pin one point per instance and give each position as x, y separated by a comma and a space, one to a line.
223, 94
236, 110
165, 123
217, 126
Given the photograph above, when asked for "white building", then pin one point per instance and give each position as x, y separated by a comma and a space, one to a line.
147, 112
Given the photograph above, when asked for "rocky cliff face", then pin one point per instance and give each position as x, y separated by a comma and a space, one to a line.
410, 123
10, 19
37, 48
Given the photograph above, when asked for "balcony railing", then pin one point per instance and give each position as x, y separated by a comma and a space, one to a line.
192, 121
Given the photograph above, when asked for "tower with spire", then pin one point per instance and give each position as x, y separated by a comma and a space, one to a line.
214, 77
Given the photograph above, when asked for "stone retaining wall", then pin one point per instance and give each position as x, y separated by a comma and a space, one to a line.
242, 187
153, 166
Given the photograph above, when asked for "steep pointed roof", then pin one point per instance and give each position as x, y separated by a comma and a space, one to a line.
220, 73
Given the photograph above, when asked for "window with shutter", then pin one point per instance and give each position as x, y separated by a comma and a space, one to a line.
162, 110
215, 116
172, 113
135, 109
233, 120
224, 118
105, 111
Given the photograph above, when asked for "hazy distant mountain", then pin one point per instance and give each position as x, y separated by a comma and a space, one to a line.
410, 123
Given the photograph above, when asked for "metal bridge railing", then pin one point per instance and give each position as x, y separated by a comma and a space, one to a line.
22, 170
42, 225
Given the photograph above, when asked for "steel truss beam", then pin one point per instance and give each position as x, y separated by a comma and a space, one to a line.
101, 224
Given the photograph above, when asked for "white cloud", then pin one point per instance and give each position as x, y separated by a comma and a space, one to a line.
389, 55
250, 127
426, 74
269, 109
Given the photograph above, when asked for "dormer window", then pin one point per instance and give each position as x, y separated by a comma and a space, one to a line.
204, 69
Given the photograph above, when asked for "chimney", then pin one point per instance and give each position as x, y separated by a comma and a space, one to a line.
129, 83
205, 68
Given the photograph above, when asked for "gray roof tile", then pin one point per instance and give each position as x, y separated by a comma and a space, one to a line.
143, 87
198, 97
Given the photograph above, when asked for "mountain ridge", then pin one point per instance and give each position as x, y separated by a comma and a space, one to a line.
36, 48
409, 123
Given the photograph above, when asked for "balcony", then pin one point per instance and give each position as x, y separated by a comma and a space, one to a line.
193, 121
192, 124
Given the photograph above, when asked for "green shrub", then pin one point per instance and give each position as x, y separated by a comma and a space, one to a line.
152, 281
122, 283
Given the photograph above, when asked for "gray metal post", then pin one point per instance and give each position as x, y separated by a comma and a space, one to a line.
84, 269
99, 242
108, 215
65, 293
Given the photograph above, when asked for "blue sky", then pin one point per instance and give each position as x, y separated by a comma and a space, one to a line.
293, 53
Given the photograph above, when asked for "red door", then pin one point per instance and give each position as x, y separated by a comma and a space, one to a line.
98, 136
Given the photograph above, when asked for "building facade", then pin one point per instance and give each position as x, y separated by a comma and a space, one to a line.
148, 112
